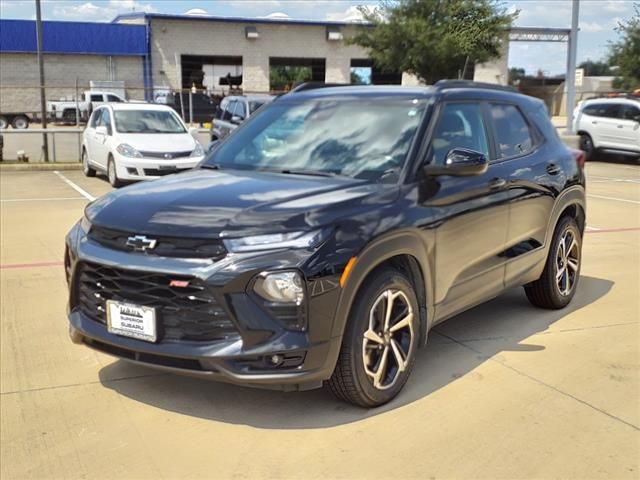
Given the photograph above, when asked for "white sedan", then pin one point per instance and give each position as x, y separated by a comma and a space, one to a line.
132, 142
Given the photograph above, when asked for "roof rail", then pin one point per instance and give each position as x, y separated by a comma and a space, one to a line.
447, 84
314, 85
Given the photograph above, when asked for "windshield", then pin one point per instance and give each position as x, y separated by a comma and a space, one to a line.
147, 121
356, 137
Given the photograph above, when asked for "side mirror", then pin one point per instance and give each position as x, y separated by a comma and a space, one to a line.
193, 131
236, 120
460, 162
102, 130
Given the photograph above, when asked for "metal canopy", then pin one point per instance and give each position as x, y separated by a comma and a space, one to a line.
539, 34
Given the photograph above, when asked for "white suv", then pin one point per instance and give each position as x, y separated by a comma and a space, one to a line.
611, 124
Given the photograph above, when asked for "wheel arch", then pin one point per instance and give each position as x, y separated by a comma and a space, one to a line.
404, 251
571, 202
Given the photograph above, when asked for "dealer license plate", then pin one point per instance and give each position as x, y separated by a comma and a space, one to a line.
131, 320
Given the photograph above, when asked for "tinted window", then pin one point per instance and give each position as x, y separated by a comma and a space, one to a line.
513, 135
606, 110
359, 137
96, 98
240, 110
106, 119
460, 126
113, 98
255, 105
631, 113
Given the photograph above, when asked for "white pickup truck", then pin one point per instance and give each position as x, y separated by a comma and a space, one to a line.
65, 111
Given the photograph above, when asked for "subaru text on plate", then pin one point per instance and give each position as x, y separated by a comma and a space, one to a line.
325, 238
137, 141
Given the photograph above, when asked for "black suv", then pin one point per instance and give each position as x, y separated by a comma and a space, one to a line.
325, 238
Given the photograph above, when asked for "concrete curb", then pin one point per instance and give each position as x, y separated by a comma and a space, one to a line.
34, 167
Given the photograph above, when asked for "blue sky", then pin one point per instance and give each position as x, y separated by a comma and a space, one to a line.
597, 19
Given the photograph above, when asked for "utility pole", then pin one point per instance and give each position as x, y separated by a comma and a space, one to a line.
43, 105
571, 65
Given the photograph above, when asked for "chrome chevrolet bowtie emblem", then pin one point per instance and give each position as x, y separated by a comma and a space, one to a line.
140, 243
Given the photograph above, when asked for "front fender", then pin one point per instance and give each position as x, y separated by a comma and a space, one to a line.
401, 242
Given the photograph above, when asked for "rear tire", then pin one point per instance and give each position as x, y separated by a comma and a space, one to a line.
20, 122
4, 123
87, 169
379, 345
557, 285
586, 145
112, 173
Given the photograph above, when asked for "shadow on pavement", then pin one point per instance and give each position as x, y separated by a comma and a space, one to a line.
602, 157
505, 321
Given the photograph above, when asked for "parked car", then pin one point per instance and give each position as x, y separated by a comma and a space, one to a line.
65, 111
234, 110
204, 107
325, 238
132, 141
608, 124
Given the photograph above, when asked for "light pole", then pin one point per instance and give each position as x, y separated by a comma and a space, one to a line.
571, 65
43, 105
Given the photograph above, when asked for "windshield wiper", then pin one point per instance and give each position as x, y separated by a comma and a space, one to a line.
211, 166
313, 173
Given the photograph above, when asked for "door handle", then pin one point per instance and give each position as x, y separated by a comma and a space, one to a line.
497, 183
620, 126
594, 122
553, 169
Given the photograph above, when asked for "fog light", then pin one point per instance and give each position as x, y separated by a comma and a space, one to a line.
276, 359
281, 287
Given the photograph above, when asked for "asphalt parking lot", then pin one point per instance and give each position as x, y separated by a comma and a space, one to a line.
502, 391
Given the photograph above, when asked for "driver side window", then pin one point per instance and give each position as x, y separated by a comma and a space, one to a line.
96, 119
460, 126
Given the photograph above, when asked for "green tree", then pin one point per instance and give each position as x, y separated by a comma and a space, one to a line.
625, 53
433, 39
515, 75
595, 69
284, 77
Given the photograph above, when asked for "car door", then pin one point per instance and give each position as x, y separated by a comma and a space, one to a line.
470, 214
607, 125
534, 173
90, 133
103, 139
629, 128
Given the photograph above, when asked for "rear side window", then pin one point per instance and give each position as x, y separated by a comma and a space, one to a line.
113, 98
96, 98
513, 134
605, 110
459, 126
631, 113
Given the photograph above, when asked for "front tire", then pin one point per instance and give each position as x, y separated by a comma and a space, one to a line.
586, 145
380, 342
112, 173
557, 285
87, 169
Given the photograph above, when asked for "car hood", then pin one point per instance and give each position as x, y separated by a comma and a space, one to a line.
205, 203
154, 142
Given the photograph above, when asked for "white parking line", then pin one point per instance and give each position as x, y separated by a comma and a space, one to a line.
613, 198
81, 191
593, 229
613, 179
52, 199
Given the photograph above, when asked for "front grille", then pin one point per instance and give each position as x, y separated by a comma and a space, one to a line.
165, 155
188, 313
161, 172
165, 246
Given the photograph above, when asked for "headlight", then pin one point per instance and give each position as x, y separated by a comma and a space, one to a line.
280, 287
85, 225
275, 240
198, 151
128, 151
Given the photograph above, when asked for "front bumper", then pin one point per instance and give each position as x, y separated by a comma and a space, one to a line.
149, 168
304, 358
